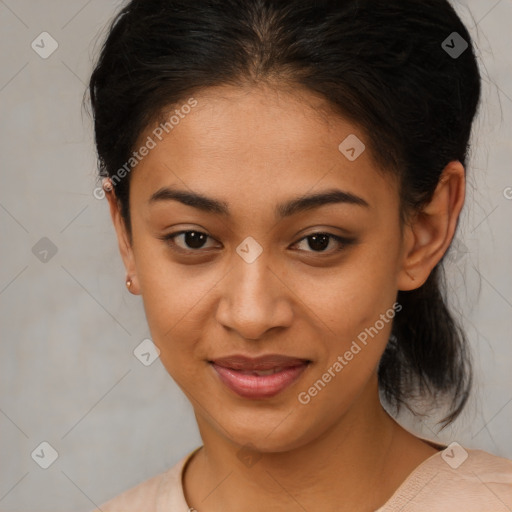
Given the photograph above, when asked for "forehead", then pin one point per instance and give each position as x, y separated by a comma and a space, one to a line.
254, 143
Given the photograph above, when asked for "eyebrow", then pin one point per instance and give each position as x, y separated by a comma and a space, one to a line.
292, 207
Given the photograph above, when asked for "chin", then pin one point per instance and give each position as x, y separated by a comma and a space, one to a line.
278, 432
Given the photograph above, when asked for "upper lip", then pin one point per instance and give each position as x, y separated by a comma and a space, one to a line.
266, 362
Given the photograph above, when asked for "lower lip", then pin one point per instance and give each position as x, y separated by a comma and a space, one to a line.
258, 386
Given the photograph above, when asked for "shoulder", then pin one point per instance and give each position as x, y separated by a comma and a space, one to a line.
479, 459
162, 490
456, 479
477, 469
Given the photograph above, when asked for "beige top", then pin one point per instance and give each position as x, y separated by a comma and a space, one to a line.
455, 479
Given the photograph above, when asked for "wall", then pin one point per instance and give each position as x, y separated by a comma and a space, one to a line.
68, 374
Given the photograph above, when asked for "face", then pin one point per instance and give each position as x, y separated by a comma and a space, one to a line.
257, 270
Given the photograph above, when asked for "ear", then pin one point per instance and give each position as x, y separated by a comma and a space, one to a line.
125, 246
428, 235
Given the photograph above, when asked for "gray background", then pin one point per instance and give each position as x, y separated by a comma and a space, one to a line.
69, 328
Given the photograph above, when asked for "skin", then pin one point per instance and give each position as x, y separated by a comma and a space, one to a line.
254, 147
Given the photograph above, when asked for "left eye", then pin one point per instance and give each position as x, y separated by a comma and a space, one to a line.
195, 240
319, 241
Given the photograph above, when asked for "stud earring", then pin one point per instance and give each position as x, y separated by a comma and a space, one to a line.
107, 185
128, 283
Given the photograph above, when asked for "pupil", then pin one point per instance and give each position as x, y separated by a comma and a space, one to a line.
194, 240
319, 242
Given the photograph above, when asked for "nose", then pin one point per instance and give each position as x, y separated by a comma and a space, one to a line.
254, 300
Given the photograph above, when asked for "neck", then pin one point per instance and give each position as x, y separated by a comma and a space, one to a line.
342, 469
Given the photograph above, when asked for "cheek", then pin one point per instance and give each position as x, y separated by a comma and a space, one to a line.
172, 298
352, 296
359, 327
355, 305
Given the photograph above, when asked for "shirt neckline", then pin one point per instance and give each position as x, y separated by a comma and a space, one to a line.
415, 481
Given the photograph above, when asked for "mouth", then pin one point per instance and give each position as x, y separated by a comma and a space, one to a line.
258, 378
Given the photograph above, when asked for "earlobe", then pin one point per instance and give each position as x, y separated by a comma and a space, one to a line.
124, 244
428, 236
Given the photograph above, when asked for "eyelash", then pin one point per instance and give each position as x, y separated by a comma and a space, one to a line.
169, 239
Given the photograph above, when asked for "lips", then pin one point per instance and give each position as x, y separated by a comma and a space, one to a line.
261, 377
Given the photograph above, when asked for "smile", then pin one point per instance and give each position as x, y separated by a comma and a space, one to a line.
258, 378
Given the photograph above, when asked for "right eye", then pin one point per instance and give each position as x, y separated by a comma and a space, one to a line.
192, 240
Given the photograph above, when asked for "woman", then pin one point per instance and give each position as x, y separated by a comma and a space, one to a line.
285, 178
